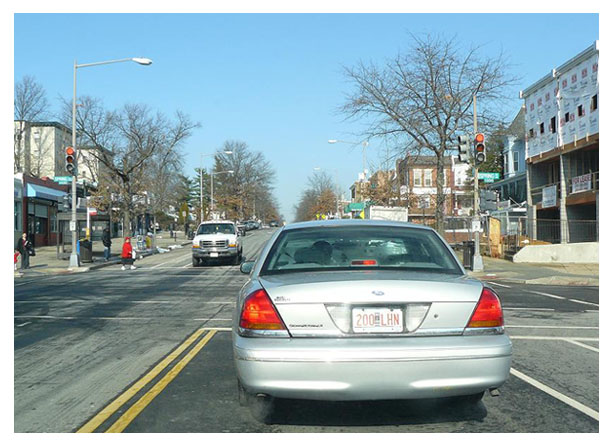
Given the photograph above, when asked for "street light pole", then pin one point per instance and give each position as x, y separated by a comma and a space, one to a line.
477, 259
213, 174
228, 152
74, 256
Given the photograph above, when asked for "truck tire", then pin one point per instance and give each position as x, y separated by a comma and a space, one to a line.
195, 262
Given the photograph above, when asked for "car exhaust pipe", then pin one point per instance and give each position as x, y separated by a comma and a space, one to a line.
494, 392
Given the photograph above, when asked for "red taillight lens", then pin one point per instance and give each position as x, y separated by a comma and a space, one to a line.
259, 313
488, 312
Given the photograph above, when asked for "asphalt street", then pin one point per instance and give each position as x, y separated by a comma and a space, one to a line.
149, 350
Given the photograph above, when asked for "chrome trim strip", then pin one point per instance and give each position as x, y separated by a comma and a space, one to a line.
368, 360
418, 333
484, 331
262, 333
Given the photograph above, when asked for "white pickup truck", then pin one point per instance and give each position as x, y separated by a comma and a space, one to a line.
217, 240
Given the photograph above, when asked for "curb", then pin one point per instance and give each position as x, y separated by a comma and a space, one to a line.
94, 266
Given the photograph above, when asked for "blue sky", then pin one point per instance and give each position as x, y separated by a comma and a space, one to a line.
273, 81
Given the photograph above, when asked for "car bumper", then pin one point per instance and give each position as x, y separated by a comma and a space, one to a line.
369, 369
214, 253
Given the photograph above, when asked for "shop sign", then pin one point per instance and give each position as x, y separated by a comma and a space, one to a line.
581, 183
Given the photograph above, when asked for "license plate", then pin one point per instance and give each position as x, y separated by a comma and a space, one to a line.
214, 254
377, 319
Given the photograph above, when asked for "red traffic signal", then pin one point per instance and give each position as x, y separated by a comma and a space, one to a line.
70, 160
479, 148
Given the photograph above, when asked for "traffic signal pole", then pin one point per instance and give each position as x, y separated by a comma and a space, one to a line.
74, 256
477, 259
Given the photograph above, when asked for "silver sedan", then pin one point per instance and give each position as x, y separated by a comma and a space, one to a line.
364, 310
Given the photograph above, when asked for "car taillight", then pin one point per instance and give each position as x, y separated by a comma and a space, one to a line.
259, 313
488, 313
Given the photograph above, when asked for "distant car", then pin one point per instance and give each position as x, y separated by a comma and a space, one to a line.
217, 240
274, 223
364, 310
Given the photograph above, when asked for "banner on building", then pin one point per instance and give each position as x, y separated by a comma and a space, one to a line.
550, 196
581, 183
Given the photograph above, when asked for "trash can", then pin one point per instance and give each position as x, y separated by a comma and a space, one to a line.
85, 250
468, 248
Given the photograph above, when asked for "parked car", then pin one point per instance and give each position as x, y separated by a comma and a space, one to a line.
364, 310
274, 223
217, 240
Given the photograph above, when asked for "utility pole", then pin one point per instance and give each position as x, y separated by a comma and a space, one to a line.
477, 259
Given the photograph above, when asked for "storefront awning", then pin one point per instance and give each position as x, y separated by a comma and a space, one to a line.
39, 191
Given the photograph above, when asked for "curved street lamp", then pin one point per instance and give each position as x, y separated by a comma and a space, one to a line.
74, 256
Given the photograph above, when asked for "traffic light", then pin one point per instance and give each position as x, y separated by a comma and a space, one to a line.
488, 200
66, 202
479, 148
70, 160
463, 148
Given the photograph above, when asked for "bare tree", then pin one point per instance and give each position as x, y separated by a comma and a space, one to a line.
248, 191
423, 98
128, 140
30, 105
318, 198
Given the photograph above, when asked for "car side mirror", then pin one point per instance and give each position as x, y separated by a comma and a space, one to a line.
247, 266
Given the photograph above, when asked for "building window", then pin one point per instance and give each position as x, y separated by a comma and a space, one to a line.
417, 178
532, 132
18, 216
580, 111
515, 161
567, 117
552, 124
542, 127
445, 178
506, 162
427, 178
594, 103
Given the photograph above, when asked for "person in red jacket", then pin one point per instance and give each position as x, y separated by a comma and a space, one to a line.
127, 254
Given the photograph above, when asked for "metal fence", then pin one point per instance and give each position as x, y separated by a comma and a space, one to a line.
519, 231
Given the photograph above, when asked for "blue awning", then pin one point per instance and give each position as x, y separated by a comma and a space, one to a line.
39, 191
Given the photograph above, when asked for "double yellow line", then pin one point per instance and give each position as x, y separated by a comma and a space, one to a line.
142, 403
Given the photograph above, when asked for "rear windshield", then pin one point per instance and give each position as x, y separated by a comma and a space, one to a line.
360, 247
208, 229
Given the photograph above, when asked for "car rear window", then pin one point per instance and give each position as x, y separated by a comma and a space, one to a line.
209, 229
359, 247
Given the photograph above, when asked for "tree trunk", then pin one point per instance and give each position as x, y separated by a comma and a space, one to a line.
440, 196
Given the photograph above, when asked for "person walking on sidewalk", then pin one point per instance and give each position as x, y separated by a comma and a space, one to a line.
25, 249
127, 254
106, 242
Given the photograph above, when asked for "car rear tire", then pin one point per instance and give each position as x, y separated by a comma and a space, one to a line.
242, 394
471, 399
261, 407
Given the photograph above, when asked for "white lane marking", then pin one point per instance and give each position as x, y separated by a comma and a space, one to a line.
536, 337
186, 266
54, 317
558, 297
505, 308
551, 327
558, 395
496, 284
583, 302
90, 301
591, 348
24, 324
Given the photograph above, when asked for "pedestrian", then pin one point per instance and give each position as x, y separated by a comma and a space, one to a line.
25, 249
127, 254
16, 258
106, 242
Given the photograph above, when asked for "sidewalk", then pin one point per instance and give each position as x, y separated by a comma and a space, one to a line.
569, 274
46, 262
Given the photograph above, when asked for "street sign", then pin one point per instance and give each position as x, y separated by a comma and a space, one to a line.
62, 178
489, 177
